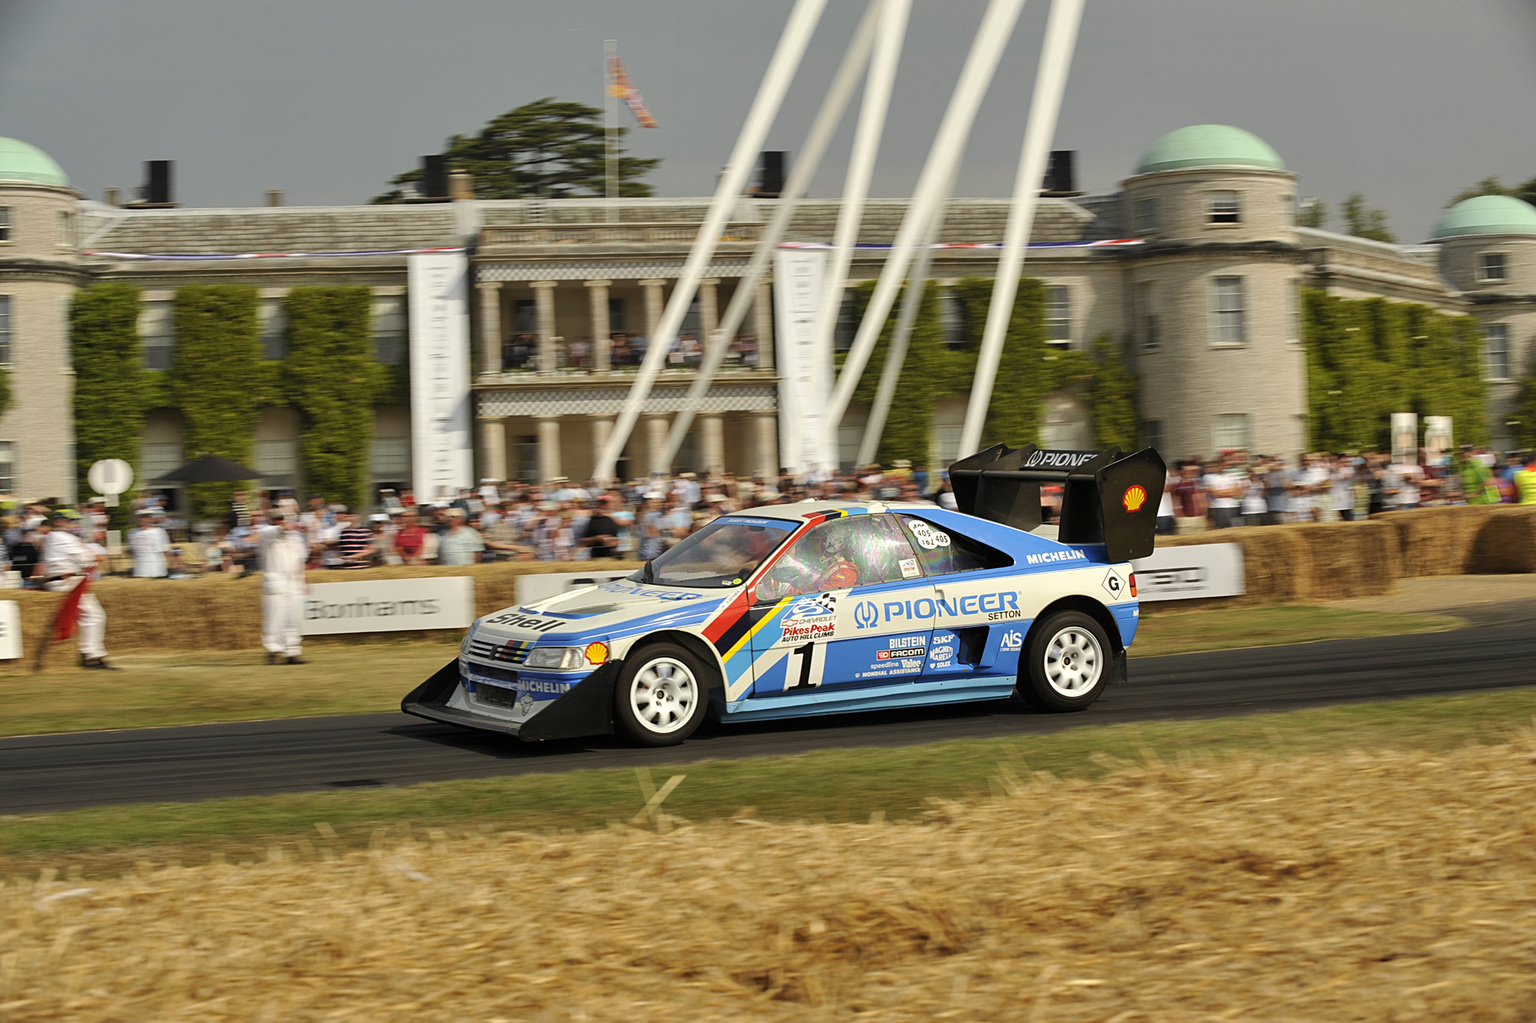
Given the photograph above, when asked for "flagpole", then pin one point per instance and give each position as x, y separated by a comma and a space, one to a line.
610, 131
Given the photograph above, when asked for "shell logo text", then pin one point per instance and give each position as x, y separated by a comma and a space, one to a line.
1134, 498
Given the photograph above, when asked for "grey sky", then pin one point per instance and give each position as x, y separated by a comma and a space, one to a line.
1405, 100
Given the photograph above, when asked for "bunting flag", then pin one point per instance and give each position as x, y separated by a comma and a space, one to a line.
620, 87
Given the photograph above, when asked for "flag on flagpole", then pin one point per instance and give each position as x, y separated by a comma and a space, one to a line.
620, 87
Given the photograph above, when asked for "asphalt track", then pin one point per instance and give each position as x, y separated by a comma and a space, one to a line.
41, 774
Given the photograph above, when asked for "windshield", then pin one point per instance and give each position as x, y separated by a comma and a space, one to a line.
723, 553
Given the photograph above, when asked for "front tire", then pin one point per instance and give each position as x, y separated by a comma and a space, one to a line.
1069, 662
661, 696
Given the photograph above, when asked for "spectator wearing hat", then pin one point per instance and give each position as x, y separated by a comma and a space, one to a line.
284, 554
410, 539
461, 545
69, 562
148, 544
354, 542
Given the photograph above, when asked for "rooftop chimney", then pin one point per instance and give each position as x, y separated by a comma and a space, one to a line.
770, 182
111, 197
155, 193
461, 185
274, 197
1060, 176
433, 185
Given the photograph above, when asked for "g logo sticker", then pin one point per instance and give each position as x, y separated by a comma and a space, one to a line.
866, 615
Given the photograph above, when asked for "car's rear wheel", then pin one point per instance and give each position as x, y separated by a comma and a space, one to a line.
1069, 661
661, 696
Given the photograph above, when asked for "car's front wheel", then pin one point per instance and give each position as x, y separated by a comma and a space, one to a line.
661, 696
1069, 661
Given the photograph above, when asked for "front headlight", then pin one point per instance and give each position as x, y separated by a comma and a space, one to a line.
558, 658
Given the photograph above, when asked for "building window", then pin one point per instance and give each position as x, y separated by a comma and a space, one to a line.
615, 315
1493, 267
952, 318
1058, 315
1496, 353
525, 316
66, 229
389, 332
273, 317
7, 467
391, 458
5, 330
278, 462
1230, 432
5, 223
1288, 210
847, 323
1227, 301
1146, 216
157, 326
1223, 208
1146, 310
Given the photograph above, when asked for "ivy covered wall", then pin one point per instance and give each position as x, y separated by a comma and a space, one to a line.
1029, 370
1368, 358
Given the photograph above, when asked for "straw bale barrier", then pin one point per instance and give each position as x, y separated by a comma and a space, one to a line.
1313, 561
1381, 886
1465, 539
224, 612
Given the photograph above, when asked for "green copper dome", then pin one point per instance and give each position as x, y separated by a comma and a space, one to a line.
1488, 214
22, 162
1209, 145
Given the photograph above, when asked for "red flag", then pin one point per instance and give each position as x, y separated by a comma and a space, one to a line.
69, 611
620, 87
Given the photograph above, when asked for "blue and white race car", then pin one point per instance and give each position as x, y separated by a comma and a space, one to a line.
830, 607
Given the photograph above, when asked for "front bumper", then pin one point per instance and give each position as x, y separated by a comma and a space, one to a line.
587, 709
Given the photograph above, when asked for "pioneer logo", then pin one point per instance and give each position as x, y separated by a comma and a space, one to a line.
1059, 459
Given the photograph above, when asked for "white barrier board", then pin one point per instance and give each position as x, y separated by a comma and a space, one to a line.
533, 588
388, 605
10, 630
1191, 573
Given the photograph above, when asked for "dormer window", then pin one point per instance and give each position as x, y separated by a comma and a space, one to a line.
1493, 266
1146, 216
1223, 208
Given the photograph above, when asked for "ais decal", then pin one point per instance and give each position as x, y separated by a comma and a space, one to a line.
1012, 640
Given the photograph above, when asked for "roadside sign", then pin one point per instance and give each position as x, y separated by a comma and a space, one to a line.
110, 477
10, 630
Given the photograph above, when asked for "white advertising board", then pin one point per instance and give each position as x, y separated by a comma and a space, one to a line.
533, 588
1191, 573
805, 373
441, 459
388, 605
10, 630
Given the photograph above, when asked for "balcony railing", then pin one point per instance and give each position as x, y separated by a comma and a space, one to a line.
521, 355
598, 234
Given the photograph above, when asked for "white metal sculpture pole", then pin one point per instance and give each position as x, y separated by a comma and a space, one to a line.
781, 70
987, 49
804, 168
861, 164
911, 301
1050, 82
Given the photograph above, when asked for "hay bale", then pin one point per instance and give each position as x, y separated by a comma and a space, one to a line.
1505, 542
1308, 561
1440, 540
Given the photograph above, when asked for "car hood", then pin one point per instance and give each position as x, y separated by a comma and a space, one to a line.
595, 610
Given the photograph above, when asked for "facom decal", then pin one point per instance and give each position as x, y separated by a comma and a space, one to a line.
1048, 557
522, 621
1012, 640
1134, 498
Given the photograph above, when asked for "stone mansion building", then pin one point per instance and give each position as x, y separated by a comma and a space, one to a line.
566, 295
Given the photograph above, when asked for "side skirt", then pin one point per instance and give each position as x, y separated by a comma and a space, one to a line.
833, 700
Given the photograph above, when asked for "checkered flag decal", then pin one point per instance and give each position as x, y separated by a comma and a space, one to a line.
826, 602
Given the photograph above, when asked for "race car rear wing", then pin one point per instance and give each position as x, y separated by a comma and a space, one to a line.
1106, 498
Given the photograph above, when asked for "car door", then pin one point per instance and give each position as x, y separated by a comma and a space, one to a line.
845, 605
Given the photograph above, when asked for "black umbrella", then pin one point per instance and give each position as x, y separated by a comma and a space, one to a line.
209, 469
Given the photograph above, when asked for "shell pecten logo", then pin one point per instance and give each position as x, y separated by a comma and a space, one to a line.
1134, 498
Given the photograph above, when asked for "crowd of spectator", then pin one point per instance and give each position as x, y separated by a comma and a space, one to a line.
1240, 489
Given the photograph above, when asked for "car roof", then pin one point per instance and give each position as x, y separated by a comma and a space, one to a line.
806, 509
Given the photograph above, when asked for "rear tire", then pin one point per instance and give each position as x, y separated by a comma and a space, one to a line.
1069, 663
662, 695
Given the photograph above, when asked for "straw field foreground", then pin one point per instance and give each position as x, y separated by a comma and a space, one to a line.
1359, 886
185, 687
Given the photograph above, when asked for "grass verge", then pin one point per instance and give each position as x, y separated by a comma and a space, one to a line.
183, 688
832, 785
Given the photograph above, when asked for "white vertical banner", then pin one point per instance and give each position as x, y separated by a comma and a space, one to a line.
1405, 438
805, 362
441, 457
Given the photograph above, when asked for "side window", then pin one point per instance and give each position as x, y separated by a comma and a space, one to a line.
859, 550
942, 552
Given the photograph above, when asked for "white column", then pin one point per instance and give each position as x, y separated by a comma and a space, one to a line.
709, 308
763, 316
549, 448
602, 426
712, 440
544, 297
656, 441
490, 326
602, 344
767, 423
654, 304
493, 448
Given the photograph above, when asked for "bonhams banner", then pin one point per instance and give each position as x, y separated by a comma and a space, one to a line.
805, 374
441, 459
388, 605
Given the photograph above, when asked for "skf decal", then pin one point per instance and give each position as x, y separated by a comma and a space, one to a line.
1134, 498
1012, 640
